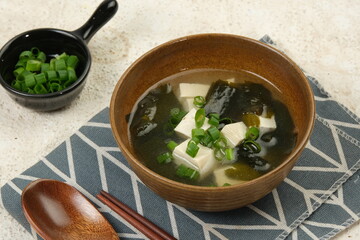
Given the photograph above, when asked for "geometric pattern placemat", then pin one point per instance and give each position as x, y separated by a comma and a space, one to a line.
318, 199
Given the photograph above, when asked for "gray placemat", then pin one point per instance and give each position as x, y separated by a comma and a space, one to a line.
316, 200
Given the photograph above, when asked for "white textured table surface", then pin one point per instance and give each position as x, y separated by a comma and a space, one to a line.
321, 36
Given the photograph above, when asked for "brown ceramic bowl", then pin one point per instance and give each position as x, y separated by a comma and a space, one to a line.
214, 51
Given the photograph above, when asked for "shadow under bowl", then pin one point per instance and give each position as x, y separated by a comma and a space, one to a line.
213, 51
51, 42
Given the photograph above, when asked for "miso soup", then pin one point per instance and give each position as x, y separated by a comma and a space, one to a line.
212, 127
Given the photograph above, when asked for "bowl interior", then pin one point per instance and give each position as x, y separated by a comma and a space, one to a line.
219, 52
50, 41
213, 51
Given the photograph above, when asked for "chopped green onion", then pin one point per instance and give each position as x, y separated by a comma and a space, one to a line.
213, 121
229, 154
40, 89
225, 120
206, 140
164, 158
18, 71
62, 56
171, 145
226, 184
40, 78
60, 64
252, 133
192, 148
198, 132
33, 65
55, 87
214, 133
196, 140
215, 115
221, 142
63, 75
21, 63
200, 117
72, 61
22, 75
71, 74
45, 67
16, 84
35, 51
33, 75
52, 64
199, 101
30, 80
175, 113
251, 146
219, 154
51, 75
41, 57
186, 172
25, 55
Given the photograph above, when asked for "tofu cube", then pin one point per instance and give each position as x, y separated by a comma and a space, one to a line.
204, 161
267, 124
188, 123
221, 178
191, 90
187, 91
234, 133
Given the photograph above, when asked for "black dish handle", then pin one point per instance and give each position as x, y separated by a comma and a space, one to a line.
104, 12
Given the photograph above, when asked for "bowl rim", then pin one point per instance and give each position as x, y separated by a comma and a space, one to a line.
301, 144
70, 88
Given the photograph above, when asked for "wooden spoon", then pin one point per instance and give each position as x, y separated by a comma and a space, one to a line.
58, 211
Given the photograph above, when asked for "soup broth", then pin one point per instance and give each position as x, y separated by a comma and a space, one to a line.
238, 103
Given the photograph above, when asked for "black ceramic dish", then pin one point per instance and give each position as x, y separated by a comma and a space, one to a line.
54, 41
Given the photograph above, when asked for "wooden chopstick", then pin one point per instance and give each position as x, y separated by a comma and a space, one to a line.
148, 228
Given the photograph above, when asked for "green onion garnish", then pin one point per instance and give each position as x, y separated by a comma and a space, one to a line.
229, 154
192, 148
214, 133
186, 172
200, 117
206, 140
30, 80
213, 121
33, 65
33, 75
171, 145
251, 146
72, 61
164, 158
176, 115
199, 101
221, 142
252, 133
198, 133
219, 154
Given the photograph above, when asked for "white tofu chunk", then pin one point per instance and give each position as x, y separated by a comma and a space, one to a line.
187, 91
267, 124
221, 178
234, 133
188, 123
204, 161
190, 90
